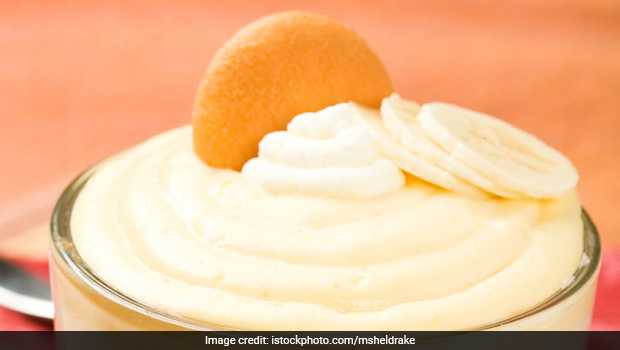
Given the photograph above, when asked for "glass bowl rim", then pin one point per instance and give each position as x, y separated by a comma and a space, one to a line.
63, 247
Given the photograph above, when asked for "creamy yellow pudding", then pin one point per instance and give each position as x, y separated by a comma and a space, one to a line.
321, 231
401, 217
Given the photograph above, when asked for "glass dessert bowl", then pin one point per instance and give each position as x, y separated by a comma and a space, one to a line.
85, 301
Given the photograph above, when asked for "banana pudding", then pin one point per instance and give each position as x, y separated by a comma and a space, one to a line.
350, 216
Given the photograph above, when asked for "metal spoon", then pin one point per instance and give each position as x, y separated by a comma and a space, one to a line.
23, 221
21, 292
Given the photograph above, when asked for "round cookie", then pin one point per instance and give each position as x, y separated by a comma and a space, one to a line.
270, 71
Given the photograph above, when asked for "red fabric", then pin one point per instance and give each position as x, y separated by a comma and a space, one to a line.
606, 310
607, 307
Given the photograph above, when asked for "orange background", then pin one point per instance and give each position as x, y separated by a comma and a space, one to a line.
81, 80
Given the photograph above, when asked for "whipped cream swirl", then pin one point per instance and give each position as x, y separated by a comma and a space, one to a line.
329, 152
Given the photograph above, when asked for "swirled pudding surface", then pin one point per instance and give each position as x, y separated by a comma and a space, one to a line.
211, 245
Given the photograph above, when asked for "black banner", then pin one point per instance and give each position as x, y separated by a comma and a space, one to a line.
309, 340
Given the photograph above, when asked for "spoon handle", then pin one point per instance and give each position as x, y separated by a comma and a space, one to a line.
21, 292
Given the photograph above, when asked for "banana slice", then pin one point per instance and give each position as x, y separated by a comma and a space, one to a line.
509, 157
400, 120
408, 161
